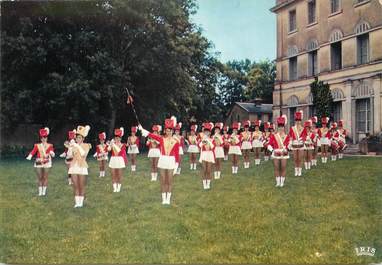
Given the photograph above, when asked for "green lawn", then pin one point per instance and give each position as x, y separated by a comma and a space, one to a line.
318, 218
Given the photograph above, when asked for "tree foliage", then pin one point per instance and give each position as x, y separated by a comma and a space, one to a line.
322, 98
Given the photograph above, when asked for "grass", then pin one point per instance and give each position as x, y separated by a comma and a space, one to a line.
318, 218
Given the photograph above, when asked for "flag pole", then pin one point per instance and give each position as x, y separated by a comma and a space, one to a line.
130, 101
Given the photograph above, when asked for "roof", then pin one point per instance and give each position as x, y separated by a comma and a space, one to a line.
280, 4
253, 108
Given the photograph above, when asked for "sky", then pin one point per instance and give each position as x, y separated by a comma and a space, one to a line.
239, 29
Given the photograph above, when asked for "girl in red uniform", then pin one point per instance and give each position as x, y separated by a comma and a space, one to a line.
342, 133
118, 159
234, 146
309, 139
68, 153
297, 144
315, 131
101, 154
169, 158
226, 138
207, 156
44, 152
154, 152
133, 148
334, 141
218, 149
193, 148
268, 130
278, 145
324, 139
257, 141
246, 144
180, 139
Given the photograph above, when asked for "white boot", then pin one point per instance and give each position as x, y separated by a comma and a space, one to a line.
70, 182
225, 157
191, 166
208, 184
168, 198
299, 171
40, 191
266, 158
114, 187
233, 170
219, 174
278, 181
295, 171
309, 164
76, 201
119, 185
236, 169
164, 199
306, 165
282, 180
194, 166
44, 190
80, 201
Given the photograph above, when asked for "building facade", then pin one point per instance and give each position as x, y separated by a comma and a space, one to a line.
339, 42
242, 111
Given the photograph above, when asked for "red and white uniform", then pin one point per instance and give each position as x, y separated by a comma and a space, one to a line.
341, 136
278, 145
118, 157
309, 138
207, 150
68, 152
257, 139
266, 138
133, 142
101, 152
246, 140
169, 151
218, 142
180, 139
296, 138
323, 136
193, 144
44, 154
234, 144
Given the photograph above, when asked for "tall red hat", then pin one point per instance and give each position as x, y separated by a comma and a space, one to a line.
334, 125
134, 129
247, 123
208, 126
219, 125
314, 119
44, 132
299, 115
341, 123
157, 128
119, 132
257, 123
236, 125
266, 125
178, 126
71, 134
282, 120
308, 123
170, 123
102, 136
194, 127
324, 120
226, 128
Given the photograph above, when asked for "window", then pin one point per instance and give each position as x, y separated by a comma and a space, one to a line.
363, 49
334, 6
238, 118
292, 111
336, 55
337, 110
363, 115
312, 63
292, 21
311, 110
293, 68
311, 11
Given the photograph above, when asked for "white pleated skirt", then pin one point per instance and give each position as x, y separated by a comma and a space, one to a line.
257, 144
219, 152
234, 150
154, 152
46, 165
133, 149
77, 170
207, 156
181, 150
167, 162
246, 145
193, 149
117, 162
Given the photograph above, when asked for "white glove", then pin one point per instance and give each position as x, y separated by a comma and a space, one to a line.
176, 168
63, 155
52, 154
95, 155
72, 142
270, 148
145, 133
140, 127
29, 157
112, 142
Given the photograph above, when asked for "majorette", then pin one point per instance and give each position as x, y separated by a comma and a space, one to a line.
324, 139
207, 155
257, 141
297, 143
226, 139
278, 145
193, 147
218, 142
68, 153
169, 158
154, 152
315, 131
234, 146
309, 138
268, 130
180, 139
44, 152
101, 154
118, 159
334, 140
133, 147
342, 133
246, 143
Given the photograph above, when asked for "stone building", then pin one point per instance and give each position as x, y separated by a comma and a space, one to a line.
252, 111
340, 42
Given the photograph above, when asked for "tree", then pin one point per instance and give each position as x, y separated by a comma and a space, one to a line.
322, 98
261, 80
